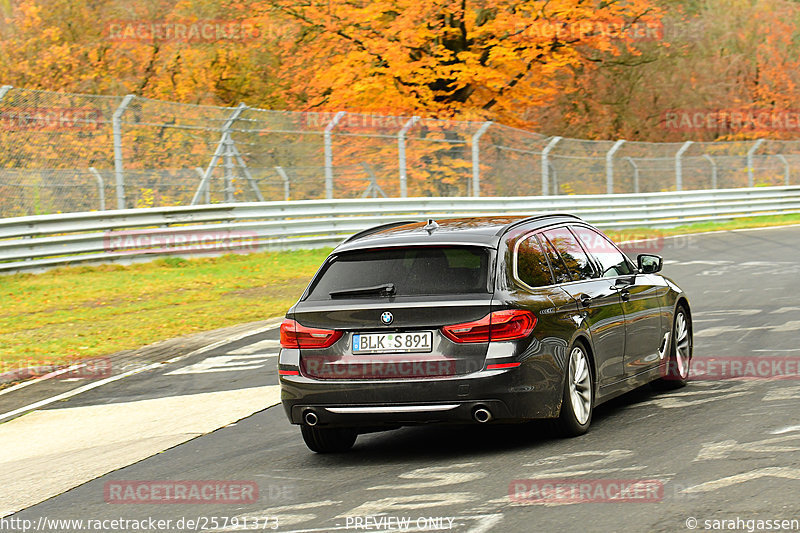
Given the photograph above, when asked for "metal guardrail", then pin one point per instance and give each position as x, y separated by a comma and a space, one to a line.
40, 242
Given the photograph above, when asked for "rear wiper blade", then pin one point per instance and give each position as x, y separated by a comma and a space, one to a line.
387, 289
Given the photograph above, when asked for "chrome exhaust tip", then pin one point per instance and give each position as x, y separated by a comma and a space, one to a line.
310, 418
481, 415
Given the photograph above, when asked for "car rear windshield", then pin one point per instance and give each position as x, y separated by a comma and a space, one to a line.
404, 272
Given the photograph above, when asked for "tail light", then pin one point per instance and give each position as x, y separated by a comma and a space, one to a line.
498, 326
296, 335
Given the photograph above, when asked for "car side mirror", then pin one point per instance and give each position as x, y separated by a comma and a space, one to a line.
649, 263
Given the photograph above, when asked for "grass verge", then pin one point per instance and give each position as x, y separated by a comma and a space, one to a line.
79, 312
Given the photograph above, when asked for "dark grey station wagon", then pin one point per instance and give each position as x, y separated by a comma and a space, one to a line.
480, 320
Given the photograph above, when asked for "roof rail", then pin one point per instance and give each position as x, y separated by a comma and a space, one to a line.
375, 229
510, 225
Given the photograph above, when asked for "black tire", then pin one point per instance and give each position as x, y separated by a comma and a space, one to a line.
328, 440
577, 402
675, 373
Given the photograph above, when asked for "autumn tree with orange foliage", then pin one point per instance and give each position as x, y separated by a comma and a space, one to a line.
63, 45
448, 58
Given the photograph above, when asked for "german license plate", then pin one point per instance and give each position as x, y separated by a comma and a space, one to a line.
419, 341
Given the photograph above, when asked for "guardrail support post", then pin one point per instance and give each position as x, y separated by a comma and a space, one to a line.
4, 89
401, 154
101, 188
786, 169
713, 170
116, 125
329, 154
476, 158
546, 165
679, 165
750, 154
635, 174
610, 166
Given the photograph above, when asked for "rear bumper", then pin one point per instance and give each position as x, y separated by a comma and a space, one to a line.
397, 414
532, 390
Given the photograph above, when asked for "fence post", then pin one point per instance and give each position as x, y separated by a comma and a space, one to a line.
476, 158
222, 150
228, 165
750, 153
401, 154
635, 174
610, 166
546, 165
373, 188
556, 185
230, 153
250, 179
207, 190
285, 179
101, 188
116, 127
786, 169
679, 165
713, 170
329, 154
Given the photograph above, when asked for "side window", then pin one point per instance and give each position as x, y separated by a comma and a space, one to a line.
611, 260
560, 272
531, 266
567, 246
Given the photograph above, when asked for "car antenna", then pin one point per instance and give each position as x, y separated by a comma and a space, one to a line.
431, 226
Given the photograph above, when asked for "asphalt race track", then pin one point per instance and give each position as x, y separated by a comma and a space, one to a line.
720, 449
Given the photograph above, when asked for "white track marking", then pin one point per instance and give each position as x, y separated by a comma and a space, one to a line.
48, 452
41, 378
75, 392
771, 446
737, 312
787, 429
784, 310
791, 325
771, 471
414, 503
784, 393
226, 363
258, 347
94, 385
